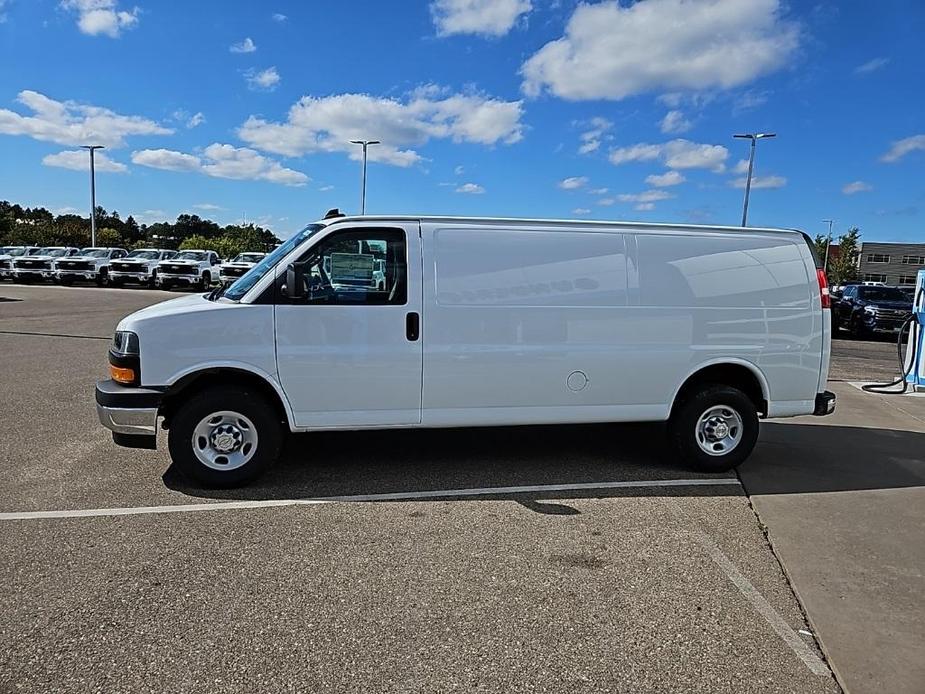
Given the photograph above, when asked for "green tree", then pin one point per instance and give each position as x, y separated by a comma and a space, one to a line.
198, 242
108, 238
844, 267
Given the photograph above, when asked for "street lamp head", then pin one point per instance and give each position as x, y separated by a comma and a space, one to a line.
374, 142
744, 136
92, 147
764, 135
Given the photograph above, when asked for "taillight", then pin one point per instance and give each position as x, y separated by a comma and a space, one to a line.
824, 289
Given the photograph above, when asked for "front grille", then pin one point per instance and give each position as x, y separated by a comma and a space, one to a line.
234, 271
74, 265
33, 264
180, 269
4, 264
892, 313
126, 267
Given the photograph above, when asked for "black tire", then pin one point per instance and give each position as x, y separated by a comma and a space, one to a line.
253, 406
858, 330
116, 283
165, 285
65, 281
152, 281
683, 428
205, 281
102, 278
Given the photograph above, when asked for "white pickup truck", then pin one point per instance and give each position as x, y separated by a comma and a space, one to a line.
91, 264
195, 268
237, 266
138, 266
8, 254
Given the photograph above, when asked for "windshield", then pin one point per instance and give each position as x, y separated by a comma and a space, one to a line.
247, 258
244, 283
882, 294
191, 255
94, 253
144, 255
14, 251
53, 252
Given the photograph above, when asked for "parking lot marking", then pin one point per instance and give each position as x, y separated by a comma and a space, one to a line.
391, 496
31, 334
780, 626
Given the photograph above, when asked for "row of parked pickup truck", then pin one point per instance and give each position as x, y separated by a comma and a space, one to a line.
152, 267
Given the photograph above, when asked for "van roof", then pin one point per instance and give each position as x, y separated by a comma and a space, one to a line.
588, 223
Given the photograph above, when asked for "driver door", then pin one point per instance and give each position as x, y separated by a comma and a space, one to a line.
349, 353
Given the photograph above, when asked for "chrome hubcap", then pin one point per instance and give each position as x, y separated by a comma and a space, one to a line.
719, 430
224, 440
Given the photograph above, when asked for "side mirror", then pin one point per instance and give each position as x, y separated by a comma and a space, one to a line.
295, 282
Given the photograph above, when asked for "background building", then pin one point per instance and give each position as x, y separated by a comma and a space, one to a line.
891, 263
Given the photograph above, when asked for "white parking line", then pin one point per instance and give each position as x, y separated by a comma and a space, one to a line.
394, 496
780, 626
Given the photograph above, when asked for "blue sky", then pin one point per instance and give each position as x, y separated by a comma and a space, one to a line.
548, 108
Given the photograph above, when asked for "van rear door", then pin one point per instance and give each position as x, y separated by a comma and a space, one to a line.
349, 353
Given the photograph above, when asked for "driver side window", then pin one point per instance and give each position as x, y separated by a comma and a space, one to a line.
357, 267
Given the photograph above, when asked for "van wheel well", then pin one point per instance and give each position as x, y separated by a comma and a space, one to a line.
734, 375
200, 381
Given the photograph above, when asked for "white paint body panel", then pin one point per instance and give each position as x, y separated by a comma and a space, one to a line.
521, 323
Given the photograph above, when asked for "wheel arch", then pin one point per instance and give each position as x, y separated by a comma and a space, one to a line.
739, 373
203, 377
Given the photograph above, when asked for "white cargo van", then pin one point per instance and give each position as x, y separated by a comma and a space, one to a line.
480, 322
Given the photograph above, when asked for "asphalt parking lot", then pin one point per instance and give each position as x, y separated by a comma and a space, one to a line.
497, 560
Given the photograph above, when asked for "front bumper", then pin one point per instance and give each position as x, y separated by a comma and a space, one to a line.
126, 410
172, 278
33, 274
77, 274
825, 403
131, 276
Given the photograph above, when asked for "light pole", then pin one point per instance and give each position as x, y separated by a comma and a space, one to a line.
365, 144
754, 137
825, 263
92, 149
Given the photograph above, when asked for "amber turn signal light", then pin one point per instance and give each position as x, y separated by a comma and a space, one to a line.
121, 374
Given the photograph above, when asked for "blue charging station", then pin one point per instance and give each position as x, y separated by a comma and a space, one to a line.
915, 346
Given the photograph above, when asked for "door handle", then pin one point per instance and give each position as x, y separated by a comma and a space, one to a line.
412, 326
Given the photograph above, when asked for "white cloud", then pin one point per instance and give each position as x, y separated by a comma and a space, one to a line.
647, 196
95, 17
899, 148
69, 123
669, 178
222, 161
856, 187
676, 154
871, 66
760, 182
3, 4
606, 202
327, 124
645, 206
245, 46
79, 160
573, 183
598, 191
750, 100
581, 211
279, 17
166, 159
471, 188
208, 206
196, 120
485, 17
591, 138
741, 167
674, 123
612, 51
266, 80
325, 189
459, 170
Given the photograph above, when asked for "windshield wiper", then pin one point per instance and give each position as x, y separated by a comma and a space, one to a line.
217, 293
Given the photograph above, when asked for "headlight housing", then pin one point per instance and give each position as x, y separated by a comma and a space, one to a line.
125, 343
870, 310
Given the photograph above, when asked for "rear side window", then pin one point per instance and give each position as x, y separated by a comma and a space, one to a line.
721, 271
500, 267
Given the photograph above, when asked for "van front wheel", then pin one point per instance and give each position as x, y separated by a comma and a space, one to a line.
715, 429
224, 436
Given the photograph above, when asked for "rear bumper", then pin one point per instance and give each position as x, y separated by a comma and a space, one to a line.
126, 410
825, 403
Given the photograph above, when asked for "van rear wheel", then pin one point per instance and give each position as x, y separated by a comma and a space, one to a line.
714, 429
225, 436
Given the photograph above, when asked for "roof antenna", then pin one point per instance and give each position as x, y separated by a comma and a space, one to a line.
333, 213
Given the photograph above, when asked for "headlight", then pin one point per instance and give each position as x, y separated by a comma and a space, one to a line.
125, 343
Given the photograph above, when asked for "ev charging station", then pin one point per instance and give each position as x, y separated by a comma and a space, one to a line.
915, 346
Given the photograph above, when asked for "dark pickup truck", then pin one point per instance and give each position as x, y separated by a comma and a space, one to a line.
863, 310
